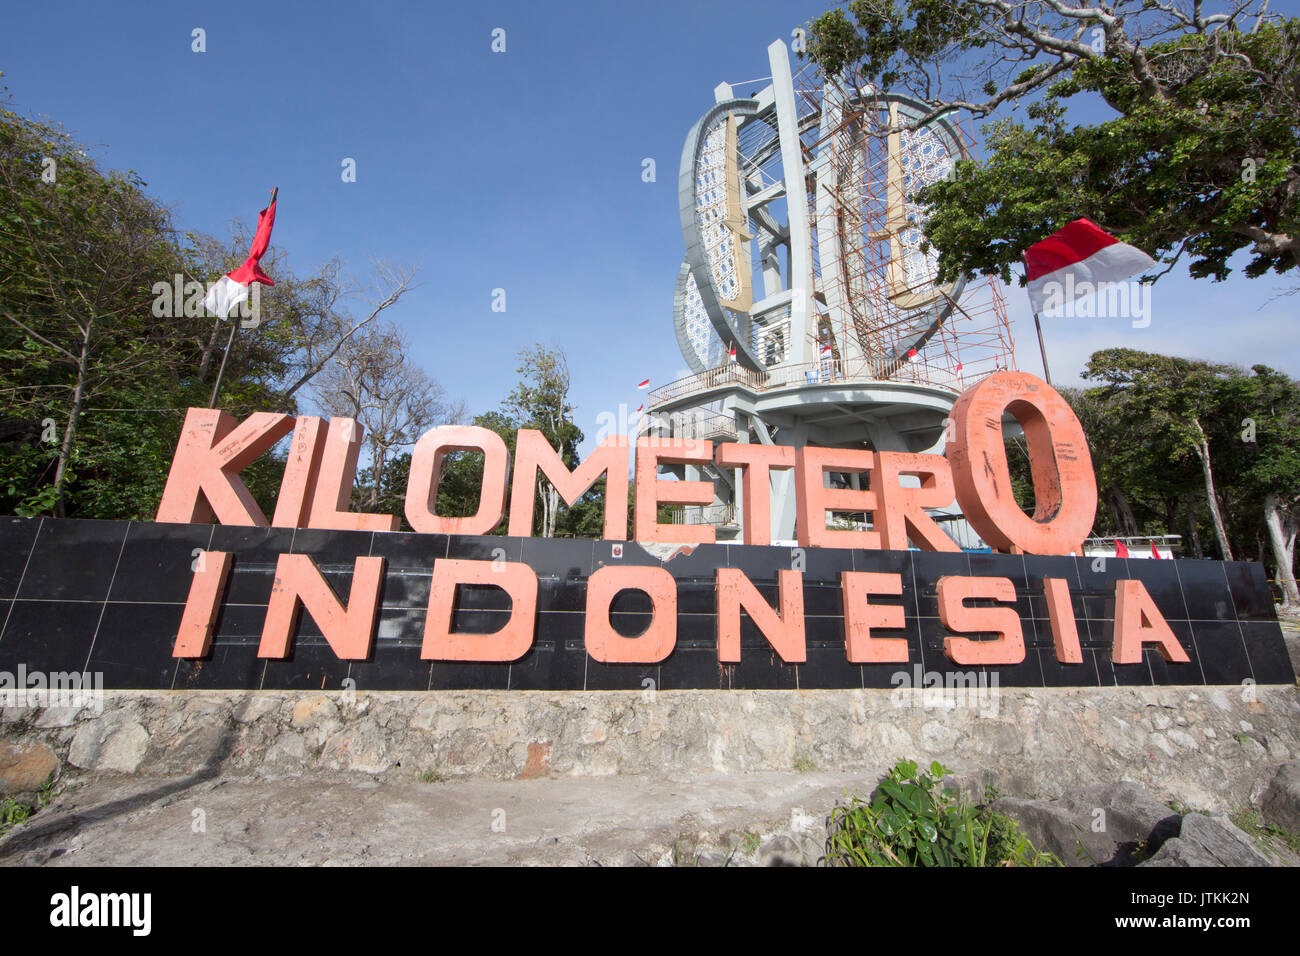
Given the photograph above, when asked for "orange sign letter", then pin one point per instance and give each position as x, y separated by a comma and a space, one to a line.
1007, 648
299, 584
860, 616
511, 642
204, 477
1065, 489
757, 462
657, 641
1138, 621
426, 468
785, 632
533, 454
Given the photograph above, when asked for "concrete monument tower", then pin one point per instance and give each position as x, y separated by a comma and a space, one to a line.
805, 308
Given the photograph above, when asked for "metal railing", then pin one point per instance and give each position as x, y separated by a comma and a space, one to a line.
829, 371
716, 515
1139, 546
729, 374
694, 424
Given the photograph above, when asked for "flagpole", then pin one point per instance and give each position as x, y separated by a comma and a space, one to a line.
216, 386
234, 327
1047, 375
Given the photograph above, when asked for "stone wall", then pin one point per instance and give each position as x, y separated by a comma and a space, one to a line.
1210, 748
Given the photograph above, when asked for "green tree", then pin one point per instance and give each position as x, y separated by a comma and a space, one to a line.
80, 252
1259, 430
98, 362
461, 482
1200, 153
541, 401
1170, 400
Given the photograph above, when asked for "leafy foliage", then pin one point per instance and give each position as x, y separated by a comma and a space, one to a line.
909, 823
1199, 154
98, 364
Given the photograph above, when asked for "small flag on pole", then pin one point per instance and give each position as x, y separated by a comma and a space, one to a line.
640, 408
1075, 260
644, 384
1121, 549
826, 350
1155, 553
231, 289
911, 353
731, 353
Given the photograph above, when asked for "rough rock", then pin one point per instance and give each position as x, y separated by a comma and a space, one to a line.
1049, 741
313, 710
1280, 804
115, 744
1208, 840
194, 751
58, 716
361, 747
780, 850
25, 767
1107, 825
255, 707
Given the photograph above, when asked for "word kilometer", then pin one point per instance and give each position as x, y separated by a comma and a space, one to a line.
316, 489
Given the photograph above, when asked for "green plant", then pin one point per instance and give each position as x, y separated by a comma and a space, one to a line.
432, 776
910, 822
804, 764
750, 843
12, 813
1081, 852
1249, 821
46, 793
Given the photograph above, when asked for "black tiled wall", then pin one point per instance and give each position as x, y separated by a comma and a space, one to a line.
107, 596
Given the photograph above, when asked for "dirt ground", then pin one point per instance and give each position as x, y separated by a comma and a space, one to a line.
571, 820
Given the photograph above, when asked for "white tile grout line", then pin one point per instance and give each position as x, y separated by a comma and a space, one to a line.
1188, 611
1033, 622
104, 605
379, 609
1232, 602
19, 586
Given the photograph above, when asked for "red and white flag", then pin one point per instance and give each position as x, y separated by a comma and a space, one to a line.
731, 353
1121, 549
644, 384
232, 288
1154, 552
1075, 260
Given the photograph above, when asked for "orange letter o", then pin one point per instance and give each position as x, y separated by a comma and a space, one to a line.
1065, 488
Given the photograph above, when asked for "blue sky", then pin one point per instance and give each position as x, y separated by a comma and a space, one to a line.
519, 170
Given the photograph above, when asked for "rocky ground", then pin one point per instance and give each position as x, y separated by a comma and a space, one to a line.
764, 819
